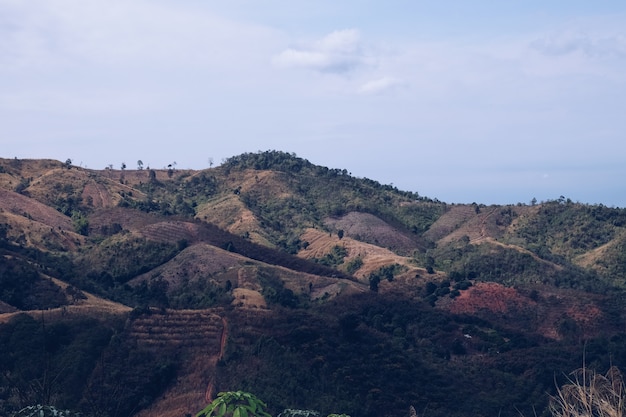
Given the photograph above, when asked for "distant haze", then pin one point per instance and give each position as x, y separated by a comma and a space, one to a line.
487, 102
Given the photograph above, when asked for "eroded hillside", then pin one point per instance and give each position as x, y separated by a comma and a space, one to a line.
304, 265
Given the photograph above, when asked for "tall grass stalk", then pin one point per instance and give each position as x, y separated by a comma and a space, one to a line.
589, 394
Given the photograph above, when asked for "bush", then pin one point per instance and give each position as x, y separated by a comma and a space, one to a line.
235, 404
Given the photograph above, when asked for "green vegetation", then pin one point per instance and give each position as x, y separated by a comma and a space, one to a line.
335, 257
244, 404
274, 290
117, 260
370, 352
22, 286
76, 363
511, 266
387, 272
80, 222
354, 265
48, 362
586, 394
562, 229
235, 404
317, 192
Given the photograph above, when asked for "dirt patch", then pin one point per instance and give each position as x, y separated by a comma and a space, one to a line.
97, 196
171, 231
490, 297
33, 210
368, 228
465, 221
129, 219
248, 299
450, 221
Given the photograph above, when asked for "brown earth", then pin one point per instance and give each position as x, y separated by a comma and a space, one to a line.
199, 260
14, 203
490, 297
129, 219
199, 335
366, 227
549, 311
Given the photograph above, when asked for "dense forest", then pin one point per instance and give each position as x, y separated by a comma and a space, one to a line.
145, 292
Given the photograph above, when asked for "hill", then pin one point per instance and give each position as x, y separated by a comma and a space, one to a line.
145, 292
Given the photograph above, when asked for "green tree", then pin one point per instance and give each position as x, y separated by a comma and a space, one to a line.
374, 281
80, 223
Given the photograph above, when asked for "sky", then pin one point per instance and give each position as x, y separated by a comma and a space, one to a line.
494, 102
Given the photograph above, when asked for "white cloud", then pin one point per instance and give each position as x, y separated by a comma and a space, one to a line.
380, 85
339, 51
117, 33
572, 42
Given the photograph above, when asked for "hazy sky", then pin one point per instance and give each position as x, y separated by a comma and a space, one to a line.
464, 101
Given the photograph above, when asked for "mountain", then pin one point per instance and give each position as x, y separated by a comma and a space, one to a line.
145, 292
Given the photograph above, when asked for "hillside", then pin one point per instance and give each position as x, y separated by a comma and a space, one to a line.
300, 283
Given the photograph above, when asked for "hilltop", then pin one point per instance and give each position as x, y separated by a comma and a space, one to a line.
301, 283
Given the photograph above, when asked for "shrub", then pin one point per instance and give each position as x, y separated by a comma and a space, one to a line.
235, 404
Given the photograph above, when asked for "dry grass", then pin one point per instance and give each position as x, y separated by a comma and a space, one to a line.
229, 213
589, 394
373, 257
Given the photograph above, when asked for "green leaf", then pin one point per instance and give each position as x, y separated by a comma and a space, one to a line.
253, 405
222, 410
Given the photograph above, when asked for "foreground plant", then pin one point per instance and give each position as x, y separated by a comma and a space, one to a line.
44, 411
235, 404
244, 404
589, 394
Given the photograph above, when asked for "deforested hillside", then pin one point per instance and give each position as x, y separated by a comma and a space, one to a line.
306, 285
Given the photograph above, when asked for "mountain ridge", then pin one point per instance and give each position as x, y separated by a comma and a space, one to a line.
273, 235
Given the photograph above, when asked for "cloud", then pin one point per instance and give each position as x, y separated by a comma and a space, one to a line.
119, 34
380, 85
339, 51
570, 43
